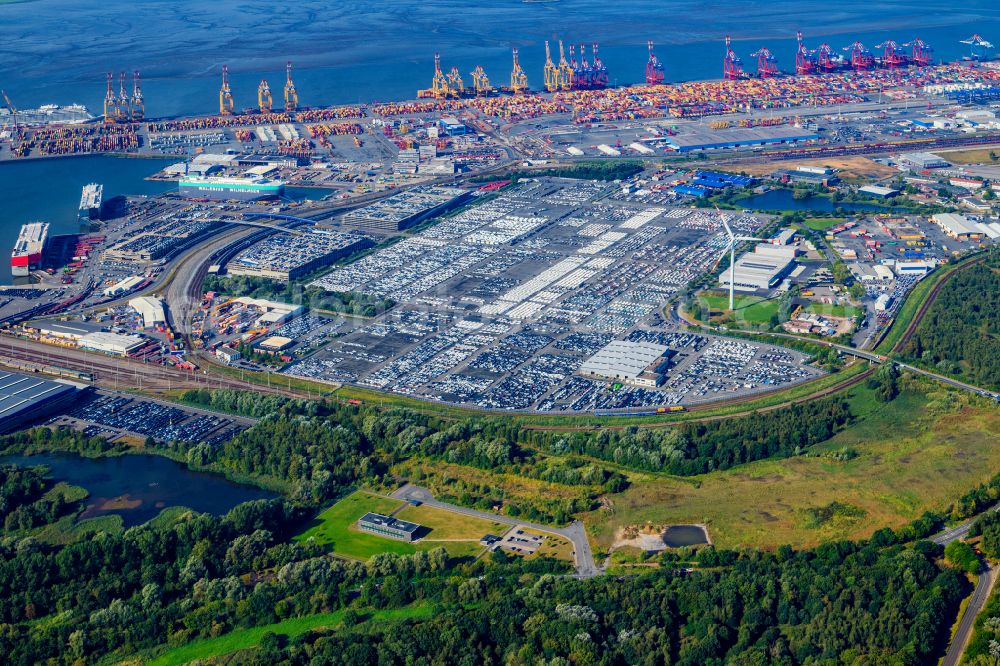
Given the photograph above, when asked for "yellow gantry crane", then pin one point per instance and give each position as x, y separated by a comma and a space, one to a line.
291, 96
13, 112
456, 87
124, 113
264, 101
138, 104
110, 101
439, 84
518, 79
565, 70
226, 104
552, 75
480, 82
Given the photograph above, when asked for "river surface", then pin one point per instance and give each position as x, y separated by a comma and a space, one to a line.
139, 487
58, 51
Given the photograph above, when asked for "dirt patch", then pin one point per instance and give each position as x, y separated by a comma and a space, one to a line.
848, 167
647, 537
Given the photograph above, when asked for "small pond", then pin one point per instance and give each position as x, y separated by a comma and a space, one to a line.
678, 536
785, 200
138, 487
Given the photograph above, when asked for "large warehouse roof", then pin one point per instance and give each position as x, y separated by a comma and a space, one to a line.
622, 359
22, 395
734, 138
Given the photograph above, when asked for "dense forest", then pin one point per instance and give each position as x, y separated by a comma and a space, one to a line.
171, 582
960, 334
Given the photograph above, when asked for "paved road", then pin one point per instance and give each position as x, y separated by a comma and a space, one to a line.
959, 531
586, 567
979, 596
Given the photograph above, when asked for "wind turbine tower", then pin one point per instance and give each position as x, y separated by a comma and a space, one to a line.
733, 240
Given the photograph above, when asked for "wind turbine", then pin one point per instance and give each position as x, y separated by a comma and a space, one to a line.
733, 239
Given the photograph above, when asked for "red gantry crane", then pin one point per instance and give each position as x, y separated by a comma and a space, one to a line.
805, 59
861, 58
892, 55
732, 64
920, 52
598, 72
827, 60
654, 68
767, 64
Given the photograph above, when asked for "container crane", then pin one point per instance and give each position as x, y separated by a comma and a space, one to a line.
585, 72
805, 59
291, 95
138, 104
861, 58
13, 112
124, 111
732, 64
439, 84
599, 73
978, 47
264, 101
551, 72
565, 68
892, 56
480, 82
518, 79
110, 101
827, 60
920, 52
654, 68
456, 86
226, 103
767, 64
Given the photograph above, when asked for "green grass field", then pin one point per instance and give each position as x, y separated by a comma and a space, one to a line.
749, 309
823, 223
335, 528
918, 453
829, 310
241, 639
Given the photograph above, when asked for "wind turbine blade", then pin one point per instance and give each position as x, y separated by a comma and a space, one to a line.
722, 218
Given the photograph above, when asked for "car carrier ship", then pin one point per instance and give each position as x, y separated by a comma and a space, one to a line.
90, 202
29, 249
226, 189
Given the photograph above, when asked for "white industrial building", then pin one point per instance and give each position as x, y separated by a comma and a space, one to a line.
763, 268
111, 343
924, 160
637, 363
272, 312
124, 286
151, 309
956, 226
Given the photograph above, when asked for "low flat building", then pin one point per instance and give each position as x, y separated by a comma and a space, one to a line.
406, 209
764, 268
26, 398
111, 343
878, 191
150, 309
275, 344
60, 330
737, 138
126, 285
923, 161
272, 312
387, 526
228, 355
636, 363
957, 226
285, 257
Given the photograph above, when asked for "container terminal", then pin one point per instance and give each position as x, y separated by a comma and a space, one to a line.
415, 215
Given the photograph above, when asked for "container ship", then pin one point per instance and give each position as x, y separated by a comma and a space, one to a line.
225, 189
90, 202
29, 248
